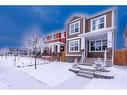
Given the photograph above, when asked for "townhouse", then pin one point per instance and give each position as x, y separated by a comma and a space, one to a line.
56, 42
89, 37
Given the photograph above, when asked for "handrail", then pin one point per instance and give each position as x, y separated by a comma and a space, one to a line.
105, 56
82, 57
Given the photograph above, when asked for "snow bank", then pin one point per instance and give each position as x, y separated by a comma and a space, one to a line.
51, 74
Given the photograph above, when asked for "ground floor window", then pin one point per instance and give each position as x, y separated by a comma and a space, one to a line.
74, 46
98, 45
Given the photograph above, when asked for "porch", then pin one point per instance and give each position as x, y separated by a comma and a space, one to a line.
55, 51
95, 44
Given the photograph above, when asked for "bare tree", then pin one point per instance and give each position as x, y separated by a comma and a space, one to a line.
35, 43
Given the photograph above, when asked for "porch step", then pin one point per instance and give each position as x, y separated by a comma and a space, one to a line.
74, 70
86, 72
85, 75
87, 68
106, 75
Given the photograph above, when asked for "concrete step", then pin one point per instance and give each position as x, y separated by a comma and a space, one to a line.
87, 69
86, 72
104, 75
85, 75
86, 64
74, 70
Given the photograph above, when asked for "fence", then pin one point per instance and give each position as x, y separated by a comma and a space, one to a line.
120, 57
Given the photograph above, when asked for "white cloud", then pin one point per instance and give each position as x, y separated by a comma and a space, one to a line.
47, 13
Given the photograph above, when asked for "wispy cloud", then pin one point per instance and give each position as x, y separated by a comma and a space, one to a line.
6, 38
46, 14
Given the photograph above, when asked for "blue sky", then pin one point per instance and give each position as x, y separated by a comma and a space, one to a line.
15, 20
121, 23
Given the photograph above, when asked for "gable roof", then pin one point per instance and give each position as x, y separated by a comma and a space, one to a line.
76, 16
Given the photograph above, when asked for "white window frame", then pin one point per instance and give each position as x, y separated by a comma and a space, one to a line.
73, 41
95, 45
97, 23
74, 28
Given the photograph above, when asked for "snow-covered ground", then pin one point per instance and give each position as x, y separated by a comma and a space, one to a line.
119, 81
53, 75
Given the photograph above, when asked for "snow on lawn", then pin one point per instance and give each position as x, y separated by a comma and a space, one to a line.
119, 81
21, 61
51, 74
4, 84
27, 61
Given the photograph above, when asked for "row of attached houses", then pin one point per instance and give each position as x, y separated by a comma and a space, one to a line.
56, 45
86, 36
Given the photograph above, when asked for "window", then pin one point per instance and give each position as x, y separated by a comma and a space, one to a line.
101, 23
98, 45
74, 28
98, 23
94, 24
104, 44
92, 44
74, 46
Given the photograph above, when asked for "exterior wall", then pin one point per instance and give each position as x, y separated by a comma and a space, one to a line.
95, 54
57, 39
75, 37
72, 58
108, 21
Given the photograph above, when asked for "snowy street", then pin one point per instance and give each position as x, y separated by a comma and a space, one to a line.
53, 75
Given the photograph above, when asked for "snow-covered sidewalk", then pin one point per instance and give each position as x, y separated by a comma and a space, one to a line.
51, 74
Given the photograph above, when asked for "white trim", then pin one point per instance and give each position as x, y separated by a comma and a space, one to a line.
97, 32
78, 45
97, 23
74, 28
78, 15
101, 12
84, 26
113, 18
74, 38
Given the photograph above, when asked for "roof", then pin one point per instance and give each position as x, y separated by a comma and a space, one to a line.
102, 12
90, 16
54, 32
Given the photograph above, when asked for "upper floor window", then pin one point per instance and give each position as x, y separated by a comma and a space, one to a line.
98, 23
74, 28
101, 23
94, 24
